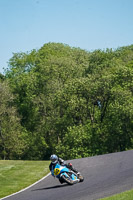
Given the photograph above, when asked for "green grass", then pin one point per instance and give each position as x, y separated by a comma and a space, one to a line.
122, 196
16, 175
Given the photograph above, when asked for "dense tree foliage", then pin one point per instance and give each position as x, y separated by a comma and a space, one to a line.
70, 102
12, 134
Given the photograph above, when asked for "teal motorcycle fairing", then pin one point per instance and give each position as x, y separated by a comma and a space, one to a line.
62, 171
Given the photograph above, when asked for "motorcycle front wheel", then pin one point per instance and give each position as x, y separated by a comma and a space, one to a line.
67, 180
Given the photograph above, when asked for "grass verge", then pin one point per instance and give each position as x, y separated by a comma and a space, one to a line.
16, 175
128, 195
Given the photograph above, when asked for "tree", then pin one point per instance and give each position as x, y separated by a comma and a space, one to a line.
11, 133
62, 92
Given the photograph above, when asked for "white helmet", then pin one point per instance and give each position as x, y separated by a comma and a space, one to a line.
54, 159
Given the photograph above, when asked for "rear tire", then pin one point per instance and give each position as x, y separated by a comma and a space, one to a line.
67, 180
81, 178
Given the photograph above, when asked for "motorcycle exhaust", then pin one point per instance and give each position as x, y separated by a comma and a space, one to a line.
76, 181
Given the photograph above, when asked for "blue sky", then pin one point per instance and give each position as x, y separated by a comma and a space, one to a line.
88, 24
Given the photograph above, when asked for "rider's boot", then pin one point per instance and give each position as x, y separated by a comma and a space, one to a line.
69, 165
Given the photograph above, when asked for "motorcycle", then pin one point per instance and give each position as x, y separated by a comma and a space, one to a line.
66, 175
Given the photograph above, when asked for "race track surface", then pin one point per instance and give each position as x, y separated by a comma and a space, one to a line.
104, 176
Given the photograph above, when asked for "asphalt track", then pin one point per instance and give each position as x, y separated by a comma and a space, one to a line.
105, 175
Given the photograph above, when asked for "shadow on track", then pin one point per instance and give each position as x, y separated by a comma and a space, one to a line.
53, 187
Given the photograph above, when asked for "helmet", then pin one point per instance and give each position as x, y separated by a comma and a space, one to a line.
54, 158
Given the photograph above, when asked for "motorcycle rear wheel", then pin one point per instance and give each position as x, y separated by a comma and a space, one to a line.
81, 178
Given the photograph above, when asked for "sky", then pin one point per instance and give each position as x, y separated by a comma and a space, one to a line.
88, 24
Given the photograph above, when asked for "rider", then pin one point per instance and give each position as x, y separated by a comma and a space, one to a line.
55, 159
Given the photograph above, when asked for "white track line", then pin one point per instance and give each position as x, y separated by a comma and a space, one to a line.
27, 187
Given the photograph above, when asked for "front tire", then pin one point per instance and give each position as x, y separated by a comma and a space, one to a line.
67, 180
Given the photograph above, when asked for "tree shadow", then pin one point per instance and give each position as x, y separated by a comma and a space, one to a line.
53, 187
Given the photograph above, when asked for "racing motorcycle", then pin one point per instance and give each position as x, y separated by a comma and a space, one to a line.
66, 175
